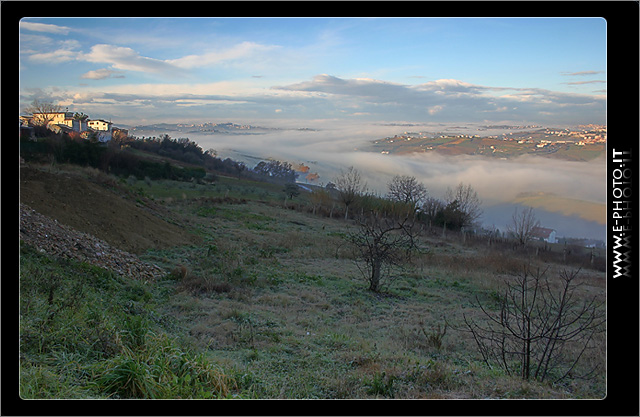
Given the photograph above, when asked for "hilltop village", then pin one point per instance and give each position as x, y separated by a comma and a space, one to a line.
72, 123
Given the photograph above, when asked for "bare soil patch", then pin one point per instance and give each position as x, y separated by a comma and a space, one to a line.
101, 210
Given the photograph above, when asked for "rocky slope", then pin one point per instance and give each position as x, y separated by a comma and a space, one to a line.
77, 216
53, 238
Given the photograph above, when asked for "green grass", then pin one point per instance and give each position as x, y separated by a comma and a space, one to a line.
267, 307
88, 333
223, 187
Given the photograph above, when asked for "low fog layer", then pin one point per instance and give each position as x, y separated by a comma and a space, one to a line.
331, 148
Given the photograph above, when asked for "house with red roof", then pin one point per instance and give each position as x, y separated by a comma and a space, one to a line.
544, 234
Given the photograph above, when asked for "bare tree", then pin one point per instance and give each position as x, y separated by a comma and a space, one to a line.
349, 185
522, 225
321, 197
406, 189
467, 201
381, 243
431, 207
539, 333
42, 112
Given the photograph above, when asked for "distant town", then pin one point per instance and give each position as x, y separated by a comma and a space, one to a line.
584, 142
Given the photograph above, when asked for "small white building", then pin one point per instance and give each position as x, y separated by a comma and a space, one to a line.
99, 124
101, 128
544, 234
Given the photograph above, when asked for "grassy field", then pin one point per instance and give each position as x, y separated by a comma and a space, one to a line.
272, 305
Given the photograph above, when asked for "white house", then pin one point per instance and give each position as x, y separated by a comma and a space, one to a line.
99, 124
102, 128
544, 234
53, 118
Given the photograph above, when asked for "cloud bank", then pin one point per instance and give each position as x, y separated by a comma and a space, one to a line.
324, 96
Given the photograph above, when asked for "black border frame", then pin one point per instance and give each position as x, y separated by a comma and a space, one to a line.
623, 349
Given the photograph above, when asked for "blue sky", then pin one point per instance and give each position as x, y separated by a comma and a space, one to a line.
549, 71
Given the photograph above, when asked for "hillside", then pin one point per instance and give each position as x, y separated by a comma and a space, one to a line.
505, 147
259, 300
97, 205
588, 210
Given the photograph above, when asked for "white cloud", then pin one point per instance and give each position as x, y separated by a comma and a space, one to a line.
244, 50
54, 57
582, 73
43, 27
101, 74
30, 43
124, 58
449, 100
586, 82
327, 96
66, 50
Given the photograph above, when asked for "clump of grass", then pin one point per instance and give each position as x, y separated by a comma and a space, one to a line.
381, 384
107, 342
207, 284
160, 369
435, 335
431, 376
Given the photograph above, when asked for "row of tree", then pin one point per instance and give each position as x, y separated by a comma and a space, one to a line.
388, 227
460, 207
185, 150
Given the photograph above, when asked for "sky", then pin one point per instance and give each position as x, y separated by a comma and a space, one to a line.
549, 71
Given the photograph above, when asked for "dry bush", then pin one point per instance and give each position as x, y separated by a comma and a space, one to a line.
199, 284
542, 329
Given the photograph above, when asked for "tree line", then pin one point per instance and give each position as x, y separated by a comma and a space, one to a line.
460, 208
118, 157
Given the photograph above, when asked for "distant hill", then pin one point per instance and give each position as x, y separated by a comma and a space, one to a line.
571, 146
226, 128
587, 210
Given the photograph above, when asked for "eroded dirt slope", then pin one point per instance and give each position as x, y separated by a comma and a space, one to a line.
100, 210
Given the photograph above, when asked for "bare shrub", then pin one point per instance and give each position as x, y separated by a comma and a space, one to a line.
381, 243
539, 332
198, 284
435, 335
350, 186
466, 202
523, 224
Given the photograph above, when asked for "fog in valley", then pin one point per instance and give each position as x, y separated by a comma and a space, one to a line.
570, 197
